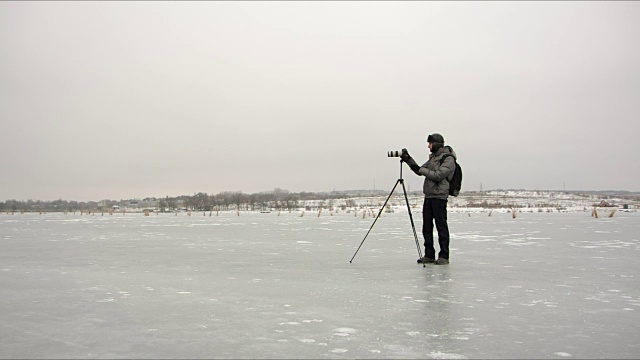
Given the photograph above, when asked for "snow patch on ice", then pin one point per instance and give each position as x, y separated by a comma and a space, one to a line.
481, 238
339, 351
345, 330
562, 354
441, 355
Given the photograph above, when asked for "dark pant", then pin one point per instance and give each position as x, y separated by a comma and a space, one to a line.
435, 210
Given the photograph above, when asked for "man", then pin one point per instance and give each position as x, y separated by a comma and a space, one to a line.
438, 171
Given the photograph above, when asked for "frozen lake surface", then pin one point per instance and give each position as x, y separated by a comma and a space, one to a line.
544, 285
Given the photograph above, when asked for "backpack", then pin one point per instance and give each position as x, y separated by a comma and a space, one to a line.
455, 184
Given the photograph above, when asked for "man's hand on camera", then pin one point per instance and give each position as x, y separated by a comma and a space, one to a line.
405, 155
409, 160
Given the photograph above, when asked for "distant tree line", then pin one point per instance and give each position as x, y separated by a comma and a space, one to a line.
277, 199
49, 206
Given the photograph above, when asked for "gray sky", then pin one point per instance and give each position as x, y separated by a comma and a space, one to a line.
115, 100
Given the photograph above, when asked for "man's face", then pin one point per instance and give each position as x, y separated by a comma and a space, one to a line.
430, 146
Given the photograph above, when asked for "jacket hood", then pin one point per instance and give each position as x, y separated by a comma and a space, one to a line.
446, 150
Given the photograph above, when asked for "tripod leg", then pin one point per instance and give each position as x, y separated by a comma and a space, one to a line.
374, 222
415, 235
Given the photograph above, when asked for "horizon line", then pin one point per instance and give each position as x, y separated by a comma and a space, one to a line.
337, 192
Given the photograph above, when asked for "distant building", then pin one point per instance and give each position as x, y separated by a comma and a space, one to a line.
603, 203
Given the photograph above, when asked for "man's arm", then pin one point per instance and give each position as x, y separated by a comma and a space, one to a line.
446, 169
412, 163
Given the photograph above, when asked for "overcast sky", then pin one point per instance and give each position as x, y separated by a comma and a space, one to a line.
118, 100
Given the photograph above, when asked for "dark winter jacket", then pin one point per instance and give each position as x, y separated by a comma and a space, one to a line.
437, 176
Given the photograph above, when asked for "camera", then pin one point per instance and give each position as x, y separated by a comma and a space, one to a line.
394, 153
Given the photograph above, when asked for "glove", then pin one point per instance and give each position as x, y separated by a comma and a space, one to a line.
405, 155
409, 160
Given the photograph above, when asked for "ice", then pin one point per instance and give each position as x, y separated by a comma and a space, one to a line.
543, 285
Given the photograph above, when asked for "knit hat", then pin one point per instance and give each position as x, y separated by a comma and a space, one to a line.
437, 140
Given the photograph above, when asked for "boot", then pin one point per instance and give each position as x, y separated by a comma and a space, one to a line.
426, 260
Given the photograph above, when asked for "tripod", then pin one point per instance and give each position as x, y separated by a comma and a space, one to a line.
415, 235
